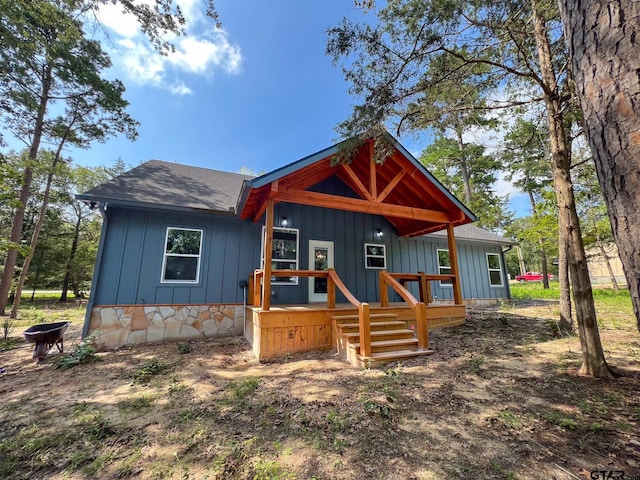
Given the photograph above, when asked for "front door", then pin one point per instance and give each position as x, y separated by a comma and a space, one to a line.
320, 258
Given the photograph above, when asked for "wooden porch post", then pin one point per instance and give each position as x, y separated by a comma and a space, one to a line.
425, 289
384, 291
331, 290
268, 242
422, 330
364, 322
453, 259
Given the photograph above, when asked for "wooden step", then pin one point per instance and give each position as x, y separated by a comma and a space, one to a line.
379, 358
389, 345
379, 335
373, 317
391, 325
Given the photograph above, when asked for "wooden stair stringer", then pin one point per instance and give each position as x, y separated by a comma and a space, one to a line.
391, 339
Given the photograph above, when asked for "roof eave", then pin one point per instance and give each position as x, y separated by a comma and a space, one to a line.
153, 206
434, 180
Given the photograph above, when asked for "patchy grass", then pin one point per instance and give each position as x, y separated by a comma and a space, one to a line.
149, 369
613, 308
500, 398
45, 308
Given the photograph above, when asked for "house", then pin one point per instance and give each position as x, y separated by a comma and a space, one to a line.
365, 258
604, 264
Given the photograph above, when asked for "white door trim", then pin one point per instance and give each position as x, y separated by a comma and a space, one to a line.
313, 244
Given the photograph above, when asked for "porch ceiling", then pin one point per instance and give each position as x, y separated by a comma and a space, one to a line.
400, 189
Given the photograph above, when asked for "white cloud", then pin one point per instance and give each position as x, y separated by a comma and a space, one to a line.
203, 51
180, 89
111, 16
201, 55
141, 64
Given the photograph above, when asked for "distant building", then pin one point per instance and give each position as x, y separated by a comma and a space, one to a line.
598, 269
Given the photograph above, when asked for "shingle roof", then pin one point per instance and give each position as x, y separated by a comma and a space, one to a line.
471, 232
171, 185
166, 184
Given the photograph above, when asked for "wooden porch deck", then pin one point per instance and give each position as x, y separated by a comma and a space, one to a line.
288, 329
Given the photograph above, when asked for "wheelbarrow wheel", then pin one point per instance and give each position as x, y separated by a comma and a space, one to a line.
40, 351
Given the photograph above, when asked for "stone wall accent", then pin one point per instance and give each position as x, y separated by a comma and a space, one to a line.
116, 326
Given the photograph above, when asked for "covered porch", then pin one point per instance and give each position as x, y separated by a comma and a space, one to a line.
364, 331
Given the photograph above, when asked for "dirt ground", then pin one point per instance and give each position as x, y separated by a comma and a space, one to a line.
500, 398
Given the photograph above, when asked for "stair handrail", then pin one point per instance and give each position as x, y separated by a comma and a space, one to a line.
333, 281
364, 319
336, 281
419, 308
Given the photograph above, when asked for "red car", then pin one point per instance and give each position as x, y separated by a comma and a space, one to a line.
532, 277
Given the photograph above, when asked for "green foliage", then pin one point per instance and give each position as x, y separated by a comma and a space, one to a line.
524, 158
562, 420
423, 63
469, 173
381, 399
184, 348
138, 404
83, 352
271, 470
148, 370
508, 419
476, 364
46, 55
8, 324
53, 90
238, 393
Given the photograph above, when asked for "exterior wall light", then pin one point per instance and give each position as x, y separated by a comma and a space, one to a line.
379, 234
284, 222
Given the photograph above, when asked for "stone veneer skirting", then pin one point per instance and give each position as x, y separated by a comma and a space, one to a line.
119, 325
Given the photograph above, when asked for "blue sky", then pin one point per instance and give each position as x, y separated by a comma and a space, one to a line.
259, 94
268, 96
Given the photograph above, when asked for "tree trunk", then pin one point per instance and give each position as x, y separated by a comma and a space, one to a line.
566, 317
593, 361
72, 256
612, 275
35, 280
545, 268
464, 168
37, 228
18, 218
604, 41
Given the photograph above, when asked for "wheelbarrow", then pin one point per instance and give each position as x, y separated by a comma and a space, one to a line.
45, 336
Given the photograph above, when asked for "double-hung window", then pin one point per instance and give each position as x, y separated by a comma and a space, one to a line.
182, 253
284, 253
495, 270
375, 256
444, 267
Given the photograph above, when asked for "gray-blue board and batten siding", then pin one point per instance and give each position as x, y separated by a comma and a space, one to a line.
133, 249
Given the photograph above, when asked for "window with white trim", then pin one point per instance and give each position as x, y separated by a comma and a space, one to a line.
375, 256
444, 267
182, 252
284, 253
495, 270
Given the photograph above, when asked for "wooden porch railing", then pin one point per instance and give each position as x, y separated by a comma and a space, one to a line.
419, 307
258, 298
424, 280
263, 299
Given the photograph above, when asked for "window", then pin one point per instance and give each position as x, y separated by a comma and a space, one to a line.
284, 253
444, 267
495, 270
182, 251
375, 256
